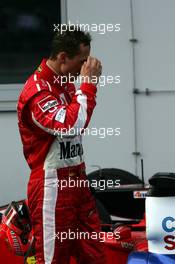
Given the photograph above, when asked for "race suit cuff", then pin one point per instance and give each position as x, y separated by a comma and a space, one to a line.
88, 88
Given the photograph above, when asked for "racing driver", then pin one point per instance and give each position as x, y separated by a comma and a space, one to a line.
48, 110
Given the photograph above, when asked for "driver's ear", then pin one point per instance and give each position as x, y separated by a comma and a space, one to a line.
62, 57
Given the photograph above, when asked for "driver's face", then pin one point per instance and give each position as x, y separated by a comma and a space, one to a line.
73, 66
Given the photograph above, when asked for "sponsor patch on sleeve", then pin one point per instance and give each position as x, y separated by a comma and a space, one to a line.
47, 103
60, 116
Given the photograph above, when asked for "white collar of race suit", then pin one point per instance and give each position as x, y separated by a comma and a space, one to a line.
50, 67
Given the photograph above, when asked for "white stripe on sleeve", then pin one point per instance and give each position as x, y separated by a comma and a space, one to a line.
38, 87
82, 113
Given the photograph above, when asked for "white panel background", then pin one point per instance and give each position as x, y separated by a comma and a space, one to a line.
115, 102
155, 69
14, 172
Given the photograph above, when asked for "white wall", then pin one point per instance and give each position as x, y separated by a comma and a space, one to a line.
114, 102
154, 57
14, 172
155, 69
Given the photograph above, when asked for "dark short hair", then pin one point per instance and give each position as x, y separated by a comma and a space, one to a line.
69, 41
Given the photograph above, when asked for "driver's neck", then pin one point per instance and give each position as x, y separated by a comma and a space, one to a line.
53, 66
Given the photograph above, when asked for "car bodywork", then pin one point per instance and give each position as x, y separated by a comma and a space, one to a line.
120, 237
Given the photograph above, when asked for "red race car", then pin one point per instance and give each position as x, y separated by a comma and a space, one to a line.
17, 243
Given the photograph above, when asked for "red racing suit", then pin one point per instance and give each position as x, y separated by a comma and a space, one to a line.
51, 116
